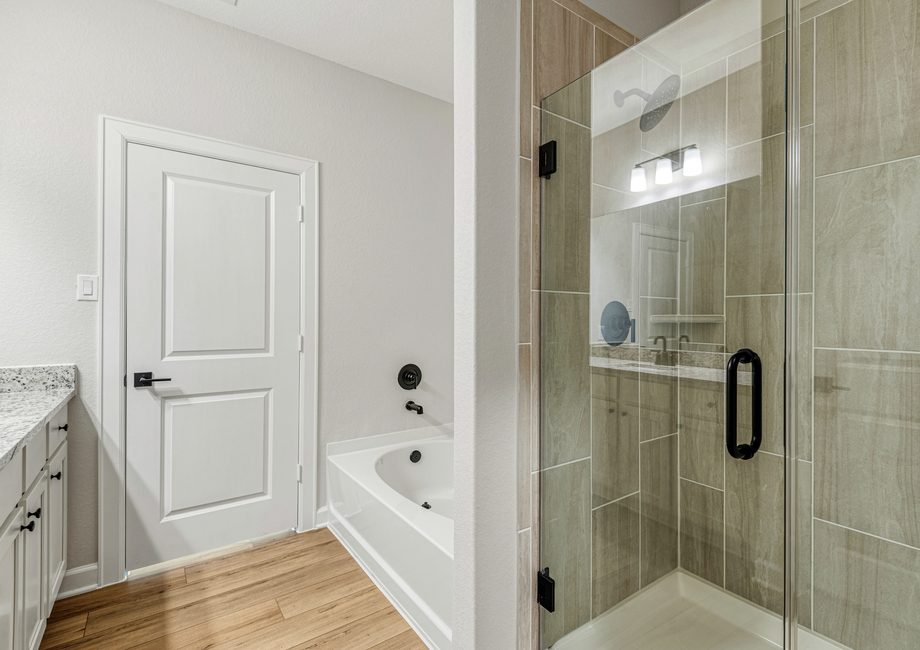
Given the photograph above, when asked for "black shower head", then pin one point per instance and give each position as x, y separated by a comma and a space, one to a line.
657, 104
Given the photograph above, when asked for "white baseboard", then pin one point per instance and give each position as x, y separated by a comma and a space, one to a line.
322, 517
79, 580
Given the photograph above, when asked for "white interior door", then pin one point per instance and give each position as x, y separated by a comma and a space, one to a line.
213, 308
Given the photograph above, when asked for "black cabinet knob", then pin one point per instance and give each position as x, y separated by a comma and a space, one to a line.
29, 528
63, 427
57, 476
37, 514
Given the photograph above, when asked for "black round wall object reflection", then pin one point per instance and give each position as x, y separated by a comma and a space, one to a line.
615, 323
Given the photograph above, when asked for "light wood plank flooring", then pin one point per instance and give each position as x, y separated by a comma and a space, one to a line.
297, 592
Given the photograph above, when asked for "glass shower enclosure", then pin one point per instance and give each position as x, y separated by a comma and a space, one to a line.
730, 378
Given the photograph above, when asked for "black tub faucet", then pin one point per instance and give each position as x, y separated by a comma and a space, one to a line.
412, 406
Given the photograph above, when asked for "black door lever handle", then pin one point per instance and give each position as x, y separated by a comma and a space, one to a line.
145, 379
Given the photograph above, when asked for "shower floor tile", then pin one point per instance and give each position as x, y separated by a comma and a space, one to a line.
681, 612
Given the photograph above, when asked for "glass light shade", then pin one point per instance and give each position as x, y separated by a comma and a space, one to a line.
637, 181
693, 162
663, 172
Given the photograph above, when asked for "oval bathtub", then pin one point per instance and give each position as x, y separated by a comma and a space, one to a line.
377, 508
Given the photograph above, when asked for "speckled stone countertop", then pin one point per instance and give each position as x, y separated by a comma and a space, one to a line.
29, 397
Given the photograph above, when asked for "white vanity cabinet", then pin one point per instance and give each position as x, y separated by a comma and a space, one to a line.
33, 535
35, 563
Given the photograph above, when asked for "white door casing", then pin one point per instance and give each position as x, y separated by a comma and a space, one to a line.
231, 351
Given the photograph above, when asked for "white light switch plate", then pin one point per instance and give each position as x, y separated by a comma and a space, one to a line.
87, 287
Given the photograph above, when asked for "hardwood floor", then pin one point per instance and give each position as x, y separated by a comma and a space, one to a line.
298, 592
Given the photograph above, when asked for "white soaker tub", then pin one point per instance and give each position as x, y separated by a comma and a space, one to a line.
376, 496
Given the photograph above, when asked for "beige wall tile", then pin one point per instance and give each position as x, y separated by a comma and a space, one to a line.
702, 432
758, 323
867, 413
659, 508
599, 20
523, 437
754, 560
566, 383
615, 153
572, 102
755, 222
807, 73
536, 367
615, 553
614, 440
867, 86
566, 218
567, 546
606, 47
703, 123
526, 81
665, 136
807, 211
525, 587
657, 405
563, 48
866, 592
757, 91
804, 368
701, 531
525, 246
803, 542
703, 274
535, 200
868, 226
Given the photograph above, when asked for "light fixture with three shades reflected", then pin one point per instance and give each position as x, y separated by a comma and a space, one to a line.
690, 159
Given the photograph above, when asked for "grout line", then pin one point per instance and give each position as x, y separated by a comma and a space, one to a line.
617, 500
862, 532
689, 205
563, 117
746, 144
570, 462
856, 169
868, 350
575, 293
702, 484
642, 442
757, 295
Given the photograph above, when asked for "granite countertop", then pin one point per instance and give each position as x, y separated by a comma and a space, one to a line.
700, 366
29, 398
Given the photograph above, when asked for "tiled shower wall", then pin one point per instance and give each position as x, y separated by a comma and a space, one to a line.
865, 490
860, 222
560, 42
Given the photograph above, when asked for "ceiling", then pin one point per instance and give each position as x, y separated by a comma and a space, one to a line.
407, 42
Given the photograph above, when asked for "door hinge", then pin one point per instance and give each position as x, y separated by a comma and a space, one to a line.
303, 213
300, 473
546, 590
548, 159
300, 342
126, 381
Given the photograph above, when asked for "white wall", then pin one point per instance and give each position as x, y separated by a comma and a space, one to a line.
386, 205
486, 68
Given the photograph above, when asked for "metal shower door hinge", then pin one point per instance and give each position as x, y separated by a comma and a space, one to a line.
548, 159
546, 590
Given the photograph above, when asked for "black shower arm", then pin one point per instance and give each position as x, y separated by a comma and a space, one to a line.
636, 91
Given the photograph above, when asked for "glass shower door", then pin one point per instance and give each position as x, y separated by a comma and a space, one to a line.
663, 310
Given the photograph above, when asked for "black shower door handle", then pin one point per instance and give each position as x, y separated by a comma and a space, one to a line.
743, 452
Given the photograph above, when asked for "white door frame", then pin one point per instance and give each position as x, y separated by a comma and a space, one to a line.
116, 135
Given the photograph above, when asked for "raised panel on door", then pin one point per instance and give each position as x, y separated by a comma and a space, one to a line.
213, 305
10, 580
35, 504
56, 525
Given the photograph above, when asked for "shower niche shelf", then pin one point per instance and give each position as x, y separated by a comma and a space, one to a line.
686, 318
